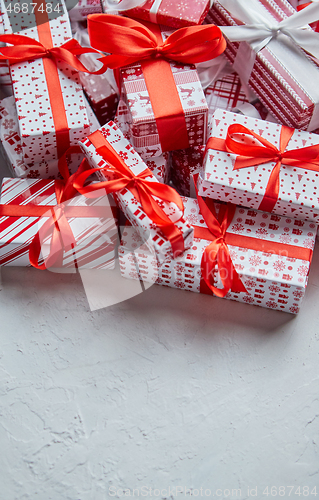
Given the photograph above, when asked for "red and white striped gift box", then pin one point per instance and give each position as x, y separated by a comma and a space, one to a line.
95, 237
281, 74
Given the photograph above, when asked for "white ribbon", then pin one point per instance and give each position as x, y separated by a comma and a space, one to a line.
258, 31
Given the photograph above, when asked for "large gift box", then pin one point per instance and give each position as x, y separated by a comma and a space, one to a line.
49, 98
33, 227
166, 106
264, 258
174, 13
265, 46
154, 208
12, 148
261, 165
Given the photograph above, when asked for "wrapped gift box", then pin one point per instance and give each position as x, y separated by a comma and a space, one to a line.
127, 201
36, 83
281, 74
136, 105
83, 8
184, 164
12, 148
95, 237
277, 281
225, 93
221, 178
176, 13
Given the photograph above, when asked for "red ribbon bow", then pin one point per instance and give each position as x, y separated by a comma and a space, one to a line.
217, 253
143, 190
24, 48
130, 41
251, 155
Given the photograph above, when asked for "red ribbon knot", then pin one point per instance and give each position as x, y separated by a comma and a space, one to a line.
250, 154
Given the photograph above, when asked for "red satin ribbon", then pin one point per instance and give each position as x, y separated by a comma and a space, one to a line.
252, 155
130, 41
121, 177
57, 226
24, 48
217, 253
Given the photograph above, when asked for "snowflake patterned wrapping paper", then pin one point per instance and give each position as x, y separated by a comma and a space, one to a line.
273, 281
128, 202
140, 115
159, 165
95, 237
12, 149
49, 98
184, 164
221, 179
83, 8
174, 13
282, 75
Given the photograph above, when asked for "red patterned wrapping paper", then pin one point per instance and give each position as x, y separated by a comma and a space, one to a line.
284, 86
95, 238
136, 105
12, 148
83, 8
184, 163
247, 186
174, 13
272, 281
31, 91
126, 200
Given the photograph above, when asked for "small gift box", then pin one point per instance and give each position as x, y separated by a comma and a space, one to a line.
101, 94
44, 70
226, 93
239, 254
36, 218
165, 103
184, 164
261, 165
267, 44
176, 13
154, 208
12, 148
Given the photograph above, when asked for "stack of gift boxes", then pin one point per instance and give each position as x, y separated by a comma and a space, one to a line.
217, 180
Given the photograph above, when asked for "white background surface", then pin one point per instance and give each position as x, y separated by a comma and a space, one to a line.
166, 389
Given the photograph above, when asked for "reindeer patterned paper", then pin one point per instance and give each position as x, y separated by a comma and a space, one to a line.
128, 203
298, 187
36, 124
140, 116
12, 149
174, 13
272, 281
95, 238
159, 165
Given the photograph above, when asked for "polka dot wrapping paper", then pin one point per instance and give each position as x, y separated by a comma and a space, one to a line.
298, 187
126, 200
275, 281
34, 91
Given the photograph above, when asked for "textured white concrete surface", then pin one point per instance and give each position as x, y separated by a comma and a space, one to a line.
168, 389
